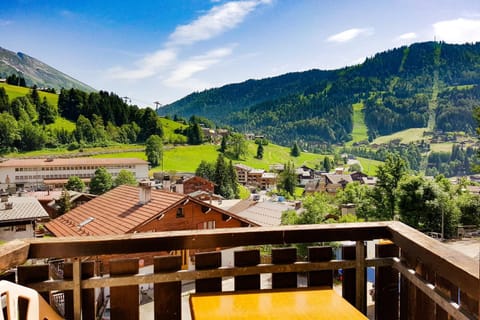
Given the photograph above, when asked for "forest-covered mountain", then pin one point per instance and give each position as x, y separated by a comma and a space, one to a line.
36, 72
432, 84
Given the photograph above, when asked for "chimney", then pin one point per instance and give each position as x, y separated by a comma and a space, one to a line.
4, 197
145, 191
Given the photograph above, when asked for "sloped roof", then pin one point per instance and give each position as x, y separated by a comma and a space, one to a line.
337, 178
115, 212
119, 212
23, 209
265, 213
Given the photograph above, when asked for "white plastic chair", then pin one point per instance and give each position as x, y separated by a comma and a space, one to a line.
38, 308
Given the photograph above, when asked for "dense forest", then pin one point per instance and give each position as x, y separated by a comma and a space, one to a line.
100, 118
400, 89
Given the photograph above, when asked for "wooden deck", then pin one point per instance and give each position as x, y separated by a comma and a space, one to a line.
417, 277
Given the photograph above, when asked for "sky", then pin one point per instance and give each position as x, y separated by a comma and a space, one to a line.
162, 50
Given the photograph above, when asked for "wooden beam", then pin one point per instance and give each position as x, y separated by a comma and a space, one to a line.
428, 289
69, 247
97, 282
12, 254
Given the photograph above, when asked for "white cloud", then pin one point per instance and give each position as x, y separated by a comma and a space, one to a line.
146, 67
216, 21
188, 68
407, 36
457, 31
349, 35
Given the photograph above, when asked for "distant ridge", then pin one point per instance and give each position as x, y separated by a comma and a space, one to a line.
36, 72
432, 85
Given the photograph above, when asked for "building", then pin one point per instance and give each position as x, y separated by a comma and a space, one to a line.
257, 178
38, 173
197, 183
128, 209
19, 216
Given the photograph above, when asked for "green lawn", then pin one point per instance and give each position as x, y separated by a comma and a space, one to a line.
359, 132
62, 123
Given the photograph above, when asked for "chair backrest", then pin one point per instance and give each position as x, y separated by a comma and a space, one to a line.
38, 308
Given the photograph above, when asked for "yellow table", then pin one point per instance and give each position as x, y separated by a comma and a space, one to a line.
273, 304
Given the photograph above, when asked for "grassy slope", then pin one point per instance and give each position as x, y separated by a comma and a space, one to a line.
406, 136
14, 92
359, 132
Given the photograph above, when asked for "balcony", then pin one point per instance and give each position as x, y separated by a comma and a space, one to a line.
417, 277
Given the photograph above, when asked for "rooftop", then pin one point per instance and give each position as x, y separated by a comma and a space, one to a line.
55, 162
23, 209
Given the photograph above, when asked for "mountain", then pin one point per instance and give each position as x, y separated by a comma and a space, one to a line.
36, 72
431, 84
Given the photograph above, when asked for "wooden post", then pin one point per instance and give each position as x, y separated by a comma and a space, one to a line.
425, 307
247, 258
168, 296
386, 284
88, 295
448, 290
77, 289
285, 279
360, 277
124, 300
206, 261
324, 277
408, 292
349, 283
468, 303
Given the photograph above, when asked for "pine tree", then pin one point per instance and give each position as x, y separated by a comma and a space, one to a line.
223, 145
327, 164
64, 204
260, 151
288, 179
295, 151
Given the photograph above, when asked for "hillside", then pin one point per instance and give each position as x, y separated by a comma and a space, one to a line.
36, 72
414, 86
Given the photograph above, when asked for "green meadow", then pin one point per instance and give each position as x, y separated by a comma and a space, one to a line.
15, 91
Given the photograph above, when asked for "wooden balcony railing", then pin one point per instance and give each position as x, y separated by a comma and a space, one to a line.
417, 277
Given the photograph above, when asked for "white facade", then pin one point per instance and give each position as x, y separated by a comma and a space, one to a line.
34, 172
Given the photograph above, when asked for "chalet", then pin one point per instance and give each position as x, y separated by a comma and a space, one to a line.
369, 181
197, 183
334, 182
19, 216
32, 173
358, 176
242, 172
304, 175
129, 210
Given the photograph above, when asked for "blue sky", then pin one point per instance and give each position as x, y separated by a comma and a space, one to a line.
163, 50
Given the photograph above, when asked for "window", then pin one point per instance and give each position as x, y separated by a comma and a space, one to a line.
21, 227
180, 213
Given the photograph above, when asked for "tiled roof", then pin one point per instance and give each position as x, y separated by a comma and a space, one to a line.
23, 209
115, 212
69, 162
242, 167
119, 212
